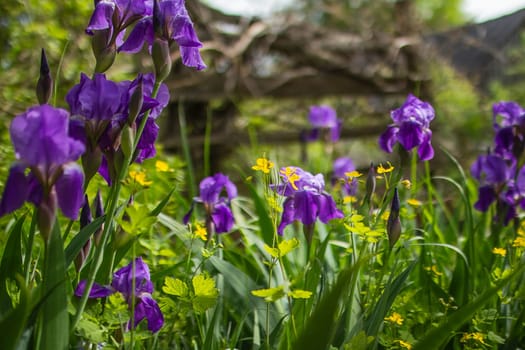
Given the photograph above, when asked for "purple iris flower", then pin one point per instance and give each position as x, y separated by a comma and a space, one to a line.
173, 23
145, 306
42, 144
217, 208
510, 129
499, 184
100, 109
342, 166
411, 128
323, 118
115, 16
306, 199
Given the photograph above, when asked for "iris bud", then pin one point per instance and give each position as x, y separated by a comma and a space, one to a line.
393, 225
160, 53
44, 86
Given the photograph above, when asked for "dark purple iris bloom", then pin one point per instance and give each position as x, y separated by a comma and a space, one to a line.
306, 199
342, 166
174, 24
100, 109
510, 130
114, 16
217, 208
323, 119
497, 184
145, 306
411, 128
42, 144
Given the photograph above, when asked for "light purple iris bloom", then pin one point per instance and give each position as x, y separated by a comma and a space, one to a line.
306, 199
498, 184
323, 118
216, 206
411, 128
174, 24
145, 306
42, 144
342, 166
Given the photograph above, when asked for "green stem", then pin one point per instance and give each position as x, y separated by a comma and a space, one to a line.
413, 174
207, 142
30, 243
186, 149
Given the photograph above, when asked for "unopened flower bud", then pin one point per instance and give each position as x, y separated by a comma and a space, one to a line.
44, 86
136, 101
393, 225
85, 214
126, 141
99, 211
161, 59
91, 161
46, 214
104, 51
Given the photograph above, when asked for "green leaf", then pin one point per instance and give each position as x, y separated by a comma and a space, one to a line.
359, 342
270, 294
319, 329
175, 286
158, 209
13, 323
392, 290
438, 336
11, 264
265, 221
55, 318
205, 293
81, 238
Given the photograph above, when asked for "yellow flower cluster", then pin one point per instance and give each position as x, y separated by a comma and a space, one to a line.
263, 164
200, 231
499, 251
395, 318
139, 177
476, 336
383, 170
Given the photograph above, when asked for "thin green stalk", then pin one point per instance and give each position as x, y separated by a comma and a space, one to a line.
133, 283
30, 243
430, 189
186, 149
59, 68
413, 174
207, 141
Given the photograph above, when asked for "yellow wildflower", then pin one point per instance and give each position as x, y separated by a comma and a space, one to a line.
406, 183
499, 251
476, 336
434, 270
200, 231
519, 242
139, 177
349, 199
353, 174
414, 202
404, 344
395, 318
162, 166
385, 215
291, 176
263, 164
382, 170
